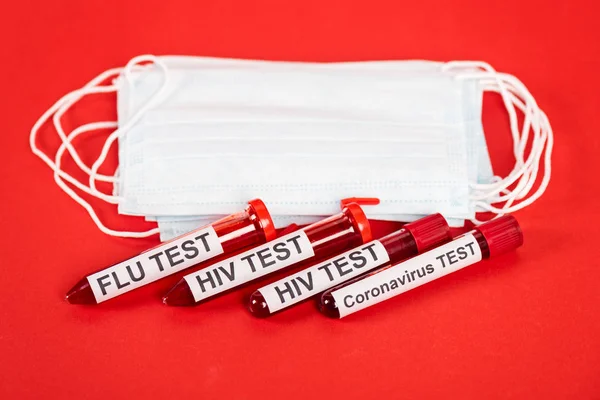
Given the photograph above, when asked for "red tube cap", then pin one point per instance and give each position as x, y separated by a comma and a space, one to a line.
359, 221
429, 232
264, 218
502, 234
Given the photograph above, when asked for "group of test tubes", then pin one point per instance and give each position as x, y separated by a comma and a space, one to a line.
335, 259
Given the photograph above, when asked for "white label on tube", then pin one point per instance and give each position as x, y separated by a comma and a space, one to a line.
407, 275
320, 277
164, 260
259, 261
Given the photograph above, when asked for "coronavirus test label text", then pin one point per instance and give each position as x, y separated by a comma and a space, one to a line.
407, 275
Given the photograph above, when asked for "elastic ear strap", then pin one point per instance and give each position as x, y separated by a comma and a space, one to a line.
475, 66
90, 88
75, 133
542, 143
44, 118
73, 97
71, 193
60, 107
59, 173
77, 95
525, 185
155, 98
514, 94
58, 110
67, 143
521, 194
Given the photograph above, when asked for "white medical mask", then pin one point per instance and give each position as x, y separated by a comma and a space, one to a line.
172, 227
166, 146
175, 118
243, 141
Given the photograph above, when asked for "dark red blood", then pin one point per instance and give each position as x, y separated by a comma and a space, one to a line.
82, 293
179, 295
327, 303
323, 235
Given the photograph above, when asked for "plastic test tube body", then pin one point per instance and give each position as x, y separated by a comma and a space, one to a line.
330, 236
416, 237
231, 234
492, 238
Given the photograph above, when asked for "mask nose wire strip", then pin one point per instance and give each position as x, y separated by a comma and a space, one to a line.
525, 172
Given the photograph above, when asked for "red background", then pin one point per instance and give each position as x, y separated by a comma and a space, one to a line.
524, 325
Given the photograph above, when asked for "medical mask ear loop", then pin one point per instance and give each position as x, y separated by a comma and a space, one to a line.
519, 141
75, 97
519, 169
475, 66
103, 196
525, 185
508, 208
100, 125
159, 94
500, 88
71, 193
530, 173
525, 173
531, 117
155, 98
542, 140
539, 123
89, 88
45, 117
117, 133
68, 100
59, 108
520, 192
529, 176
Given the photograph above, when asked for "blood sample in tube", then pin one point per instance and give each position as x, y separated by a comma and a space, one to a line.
315, 242
229, 235
414, 238
490, 239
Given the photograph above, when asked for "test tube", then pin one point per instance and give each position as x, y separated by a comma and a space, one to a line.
414, 238
318, 241
231, 234
490, 239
